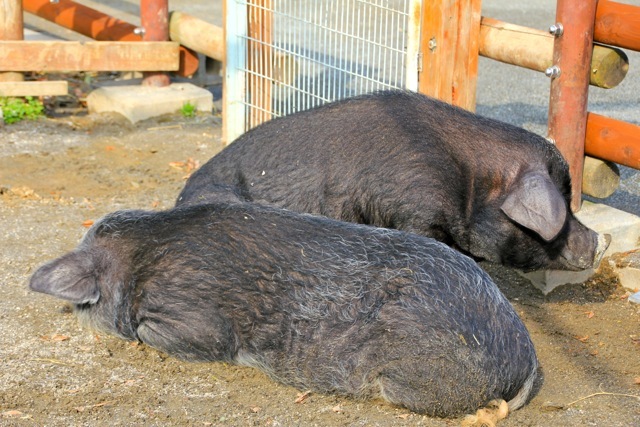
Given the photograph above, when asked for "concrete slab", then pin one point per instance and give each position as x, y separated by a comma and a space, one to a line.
624, 229
142, 102
627, 266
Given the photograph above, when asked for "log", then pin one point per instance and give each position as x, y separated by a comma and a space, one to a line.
196, 34
613, 140
44, 88
533, 49
62, 56
600, 178
617, 24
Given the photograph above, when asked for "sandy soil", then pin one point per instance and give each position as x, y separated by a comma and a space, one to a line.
58, 175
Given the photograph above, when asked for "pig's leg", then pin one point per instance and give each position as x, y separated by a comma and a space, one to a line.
214, 341
424, 387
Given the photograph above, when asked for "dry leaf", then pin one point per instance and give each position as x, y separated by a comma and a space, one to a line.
337, 408
302, 396
58, 337
582, 339
636, 380
589, 314
403, 416
97, 405
11, 414
256, 409
176, 165
192, 164
109, 148
87, 223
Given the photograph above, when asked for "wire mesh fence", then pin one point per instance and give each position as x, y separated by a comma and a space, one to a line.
285, 56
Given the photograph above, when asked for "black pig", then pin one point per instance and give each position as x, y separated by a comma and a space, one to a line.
315, 303
403, 160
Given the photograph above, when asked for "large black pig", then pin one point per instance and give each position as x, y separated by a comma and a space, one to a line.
315, 303
403, 160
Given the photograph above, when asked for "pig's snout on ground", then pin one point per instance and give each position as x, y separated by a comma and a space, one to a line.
584, 247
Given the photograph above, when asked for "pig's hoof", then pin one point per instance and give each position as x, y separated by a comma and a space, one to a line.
489, 416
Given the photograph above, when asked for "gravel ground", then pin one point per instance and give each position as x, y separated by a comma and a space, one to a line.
58, 175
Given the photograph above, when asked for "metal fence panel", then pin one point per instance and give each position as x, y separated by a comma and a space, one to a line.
285, 56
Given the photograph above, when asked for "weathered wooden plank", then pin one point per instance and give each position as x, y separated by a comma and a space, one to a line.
44, 88
59, 56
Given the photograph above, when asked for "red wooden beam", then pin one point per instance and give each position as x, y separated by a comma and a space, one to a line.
570, 84
613, 140
618, 24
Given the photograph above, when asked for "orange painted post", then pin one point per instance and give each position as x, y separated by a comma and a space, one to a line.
99, 26
570, 83
618, 24
613, 140
11, 28
449, 49
154, 19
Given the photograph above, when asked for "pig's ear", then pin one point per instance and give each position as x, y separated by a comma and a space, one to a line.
70, 277
536, 204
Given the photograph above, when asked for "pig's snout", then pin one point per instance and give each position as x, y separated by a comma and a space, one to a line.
584, 248
604, 240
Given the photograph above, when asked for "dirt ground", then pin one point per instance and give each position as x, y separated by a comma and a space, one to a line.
59, 175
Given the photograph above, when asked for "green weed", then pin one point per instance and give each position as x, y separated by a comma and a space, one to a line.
16, 109
188, 109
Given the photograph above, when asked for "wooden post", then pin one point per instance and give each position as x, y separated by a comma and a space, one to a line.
11, 28
154, 18
259, 60
569, 86
449, 48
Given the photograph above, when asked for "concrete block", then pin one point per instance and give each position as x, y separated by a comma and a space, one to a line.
627, 267
624, 229
143, 102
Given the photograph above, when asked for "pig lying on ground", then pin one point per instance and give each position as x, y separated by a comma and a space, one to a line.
315, 303
403, 160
